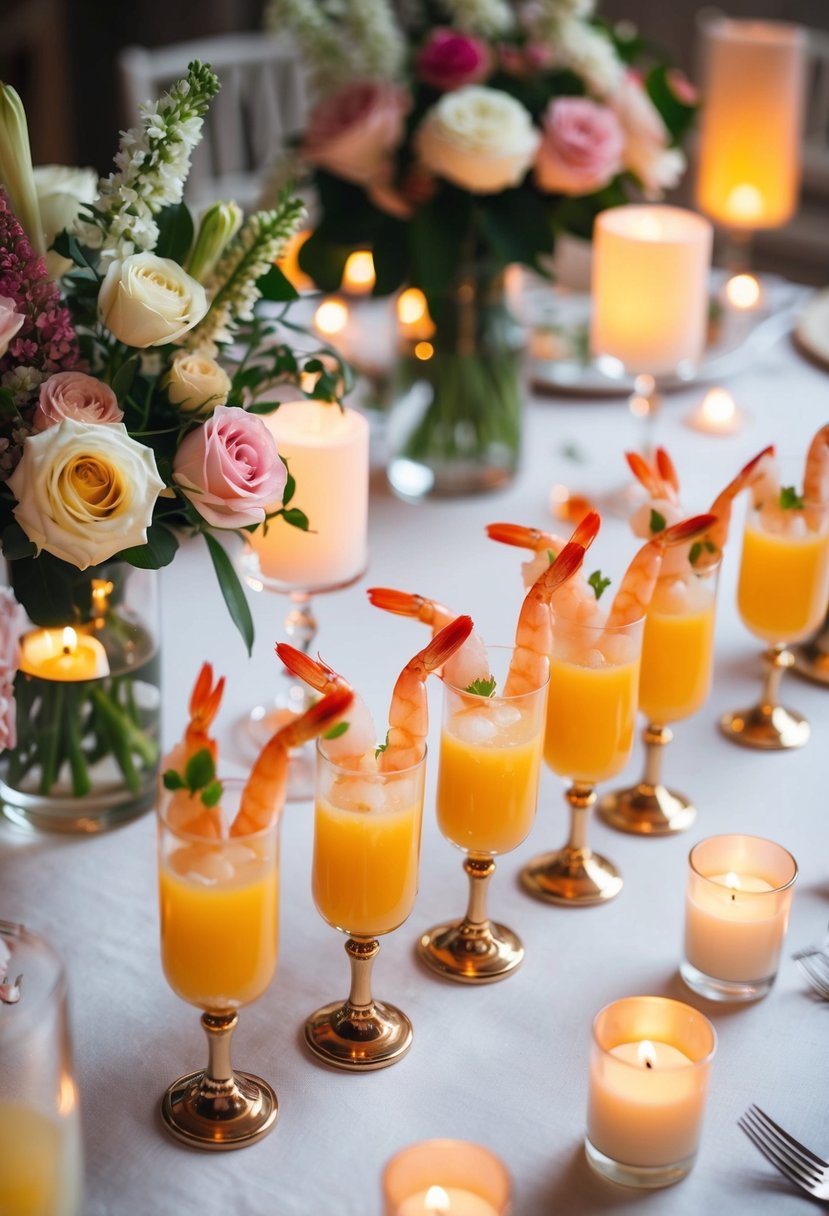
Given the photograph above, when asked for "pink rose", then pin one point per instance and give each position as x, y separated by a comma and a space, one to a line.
449, 60
8, 716
582, 147
354, 132
12, 624
230, 469
10, 322
646, 153
75, 395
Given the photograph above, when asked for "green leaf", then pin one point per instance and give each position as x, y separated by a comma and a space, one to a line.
658, 522
44, 586
67, 246
172, 780
290, 484
296, 518
175, 233
324, 260
123, 379
695, 552
231, 589
438, 233
391, 255
518, 225
551, 557
381, 747
160, 549
790, 500
16, 543
275, 286
200, 770
483, 687
336, 731
599, 584
211, 793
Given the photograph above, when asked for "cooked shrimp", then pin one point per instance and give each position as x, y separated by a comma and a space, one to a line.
659, 478
816, 478
545, 545
185, 811
354, 746
409, 709
534, 633
469, 662
639, 580
722, 504
264, 793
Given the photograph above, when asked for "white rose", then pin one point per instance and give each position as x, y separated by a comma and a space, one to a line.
10, 322
481, 139
150, 301
60, 191
196, 383
85, 492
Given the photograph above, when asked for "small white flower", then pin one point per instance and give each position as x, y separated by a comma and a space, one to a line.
590, 55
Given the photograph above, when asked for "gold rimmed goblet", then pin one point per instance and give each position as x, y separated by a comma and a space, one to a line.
365, 873
487, 794
591, 719
219, 928
782, 596
674, 682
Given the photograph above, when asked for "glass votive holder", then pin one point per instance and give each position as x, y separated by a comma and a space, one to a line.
649, 1066
446, 1178
736, 912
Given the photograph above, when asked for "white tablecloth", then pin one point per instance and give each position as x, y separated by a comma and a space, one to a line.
505, 1065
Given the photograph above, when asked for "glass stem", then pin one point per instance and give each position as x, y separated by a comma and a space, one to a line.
655, 739
645, 403
479, 870
361, 952
580, 798
778, 659
219, 1028
301, 629
737, 255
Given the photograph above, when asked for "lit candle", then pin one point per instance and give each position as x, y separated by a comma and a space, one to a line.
445, 1178
63, 655
414, 323
288, 262
737, 909
749, 162
717, 413
331, 318
744, 293
358, 273
648, 1083
650, 288
327, 453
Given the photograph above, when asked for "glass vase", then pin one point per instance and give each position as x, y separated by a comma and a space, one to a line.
455, 424
88, 708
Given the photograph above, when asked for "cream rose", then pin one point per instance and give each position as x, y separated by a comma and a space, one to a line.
150, 301
85, 492
60, 191
196, 383
481, 139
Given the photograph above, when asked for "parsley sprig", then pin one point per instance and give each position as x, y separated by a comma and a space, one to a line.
199, 778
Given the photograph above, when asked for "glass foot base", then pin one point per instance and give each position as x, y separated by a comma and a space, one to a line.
359, 1039
219, 1114
812, 662
770, 728
573, 877
257, 728
647, 810
714, 989
643, 1177
471, 954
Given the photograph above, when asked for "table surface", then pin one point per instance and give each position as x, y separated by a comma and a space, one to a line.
506, 1064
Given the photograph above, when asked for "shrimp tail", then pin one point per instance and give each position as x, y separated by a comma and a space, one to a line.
444, 644
666, 469
587, 531
565, 566
519, 536
685, 530
721, 506
311, 671
206, 698
644, 473
313, 722
401, 603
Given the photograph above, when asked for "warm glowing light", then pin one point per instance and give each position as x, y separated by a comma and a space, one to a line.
411, 306
70, 640
289, 262
67, 1095
331, 317
743, 291
745, 202
568, 506
437, 1201
424, 350
648, 228
718, 406
732, 881
645, 1054
640, 406
359, 276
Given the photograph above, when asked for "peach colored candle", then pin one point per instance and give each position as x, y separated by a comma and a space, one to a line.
445, 1178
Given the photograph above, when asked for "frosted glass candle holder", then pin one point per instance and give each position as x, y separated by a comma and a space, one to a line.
455, 1177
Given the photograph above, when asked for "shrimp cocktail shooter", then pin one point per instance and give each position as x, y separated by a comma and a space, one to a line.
592, 701
219, 902
783, 589
678, 643
367, 822
490, 761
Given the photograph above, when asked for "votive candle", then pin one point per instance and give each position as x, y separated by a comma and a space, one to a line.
445, 1178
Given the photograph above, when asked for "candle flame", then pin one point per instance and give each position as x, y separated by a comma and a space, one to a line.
648, 228
732, 881
411, 306
646, 1054
742, 291
718, 406
331, 317
358, 275
437, 1201
745, 202
70, 640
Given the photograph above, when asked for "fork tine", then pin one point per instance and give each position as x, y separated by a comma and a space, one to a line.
779, 1163
790, 1140
804, 1171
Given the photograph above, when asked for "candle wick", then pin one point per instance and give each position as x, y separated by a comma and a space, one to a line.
733, 896
66, 650
648, 1064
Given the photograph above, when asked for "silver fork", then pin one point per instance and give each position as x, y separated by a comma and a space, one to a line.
816, 969
796, 1162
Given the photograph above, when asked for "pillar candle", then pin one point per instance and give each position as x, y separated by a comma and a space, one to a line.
327, 453
62, 655
650, 288
445, 1178
749, 155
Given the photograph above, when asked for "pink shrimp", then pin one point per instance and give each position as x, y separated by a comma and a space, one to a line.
534, 632
409, 709
816, 478
639, 580
468, 663
659, 478
722, 504
353, 747
185, 811
264, 794
545, 545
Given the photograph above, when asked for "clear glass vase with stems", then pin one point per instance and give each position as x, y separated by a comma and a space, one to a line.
87, 750
455, 424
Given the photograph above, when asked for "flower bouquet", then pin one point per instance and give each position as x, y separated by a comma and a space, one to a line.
122, 425
452, 140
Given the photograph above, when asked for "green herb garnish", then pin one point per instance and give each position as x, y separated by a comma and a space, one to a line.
551, 557
658, 521
381, 747
199, 778
484, 687
336, 731
790, 500
695, 552
598, 583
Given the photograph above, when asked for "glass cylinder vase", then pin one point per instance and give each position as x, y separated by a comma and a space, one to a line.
88, 707
455, 424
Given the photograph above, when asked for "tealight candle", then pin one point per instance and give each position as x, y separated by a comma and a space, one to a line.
62, 655
327, 453
737, 910
649, 1068
717, 414
358, 274
743, 292
413, 320
445, 1178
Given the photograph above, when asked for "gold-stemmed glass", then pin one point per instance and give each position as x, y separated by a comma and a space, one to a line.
674, 682
811, 659
487, 794
365, 873
219, 928
782, 596
591, 719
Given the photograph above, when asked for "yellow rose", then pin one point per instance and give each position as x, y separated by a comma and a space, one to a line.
149, 301
196, 383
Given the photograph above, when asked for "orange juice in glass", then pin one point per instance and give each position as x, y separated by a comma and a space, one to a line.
364, 881
487, 794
